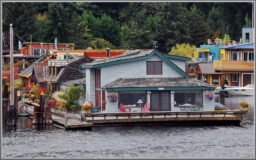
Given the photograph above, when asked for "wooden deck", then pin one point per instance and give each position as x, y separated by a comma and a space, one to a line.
69, 121
193, 116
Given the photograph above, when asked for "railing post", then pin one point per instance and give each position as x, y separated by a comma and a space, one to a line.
66, 119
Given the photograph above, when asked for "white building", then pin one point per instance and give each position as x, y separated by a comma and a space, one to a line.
145, 80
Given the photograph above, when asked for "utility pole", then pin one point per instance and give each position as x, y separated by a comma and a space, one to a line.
11, 109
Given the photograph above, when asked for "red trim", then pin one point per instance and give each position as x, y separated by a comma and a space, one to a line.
154, 68
97, 86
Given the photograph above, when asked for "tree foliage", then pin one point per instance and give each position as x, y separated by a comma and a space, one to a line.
183, 49
126, 25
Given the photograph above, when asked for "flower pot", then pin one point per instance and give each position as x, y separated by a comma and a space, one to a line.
244, 108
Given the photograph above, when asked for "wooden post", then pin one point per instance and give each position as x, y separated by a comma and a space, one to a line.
66, 119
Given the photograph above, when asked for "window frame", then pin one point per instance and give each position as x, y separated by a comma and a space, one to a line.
235, 79
154, 67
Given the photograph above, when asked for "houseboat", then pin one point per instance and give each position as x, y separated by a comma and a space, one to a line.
144, 81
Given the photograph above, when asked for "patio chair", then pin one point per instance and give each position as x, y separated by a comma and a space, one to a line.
121, 107
146, 108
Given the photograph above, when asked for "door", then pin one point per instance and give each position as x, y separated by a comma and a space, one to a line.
160, 101
247, 79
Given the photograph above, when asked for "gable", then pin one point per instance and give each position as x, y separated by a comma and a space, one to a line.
164, 58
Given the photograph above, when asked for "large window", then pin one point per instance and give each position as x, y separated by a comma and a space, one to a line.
235, 77
235, 56
132, 98
251, 56
36, 51
245, 56
154, 67
188, 97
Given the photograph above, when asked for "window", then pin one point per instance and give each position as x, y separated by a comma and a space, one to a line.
251, 56
36, 51
188, 97
234, 77
247, 37
154, 67
245, 56
132, 98
234, 56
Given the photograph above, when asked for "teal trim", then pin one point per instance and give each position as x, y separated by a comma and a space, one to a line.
175, 57
159, 88
164, 58
174, 66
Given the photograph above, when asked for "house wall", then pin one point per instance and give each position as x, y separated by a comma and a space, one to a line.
137, 69
90, 85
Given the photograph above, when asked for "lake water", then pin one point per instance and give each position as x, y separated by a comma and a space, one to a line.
134, 141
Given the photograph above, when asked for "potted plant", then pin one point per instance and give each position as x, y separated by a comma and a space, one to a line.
112, 97
244, 106
87, 106
209, 95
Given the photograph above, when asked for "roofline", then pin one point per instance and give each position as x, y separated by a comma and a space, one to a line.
46, 43
159, 88
175, 57
171, 64
26, 76
237, 45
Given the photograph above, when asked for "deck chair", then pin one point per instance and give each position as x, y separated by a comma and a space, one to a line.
146, 108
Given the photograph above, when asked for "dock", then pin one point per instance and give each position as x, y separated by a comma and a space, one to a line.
69, 121
192, 117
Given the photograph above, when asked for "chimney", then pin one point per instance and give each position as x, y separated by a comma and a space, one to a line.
108, 52
20, 45
56, 42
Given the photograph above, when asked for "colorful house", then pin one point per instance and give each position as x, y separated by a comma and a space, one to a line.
207, 53
95, 54
237, 64
145, 80
38, 48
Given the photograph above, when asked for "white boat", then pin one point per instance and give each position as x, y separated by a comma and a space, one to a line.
247, 90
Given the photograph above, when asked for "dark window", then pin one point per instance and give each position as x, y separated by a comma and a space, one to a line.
235, 77
188, 97
234, 56
251, 56
132, 98
245, 56
247, 37
36, 51
154, 67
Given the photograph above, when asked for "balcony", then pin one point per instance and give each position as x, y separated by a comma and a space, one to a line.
224, 65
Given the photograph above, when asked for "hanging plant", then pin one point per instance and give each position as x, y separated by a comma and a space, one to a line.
209, 95
112, 97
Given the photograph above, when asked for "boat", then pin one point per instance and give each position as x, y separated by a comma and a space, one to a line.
247, 90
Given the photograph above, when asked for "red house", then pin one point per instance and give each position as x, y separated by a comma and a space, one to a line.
37, 48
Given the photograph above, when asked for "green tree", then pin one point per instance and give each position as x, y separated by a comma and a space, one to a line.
248, 21
198, 29
72, 93
99, 43
183, 49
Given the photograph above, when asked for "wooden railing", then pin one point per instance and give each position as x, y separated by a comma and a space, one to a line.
232, 65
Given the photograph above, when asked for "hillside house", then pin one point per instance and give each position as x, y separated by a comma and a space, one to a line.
145, 80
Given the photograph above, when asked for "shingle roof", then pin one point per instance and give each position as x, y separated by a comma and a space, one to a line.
76, 81
240, 46
207, 68
27, 71
156, 82
132, 54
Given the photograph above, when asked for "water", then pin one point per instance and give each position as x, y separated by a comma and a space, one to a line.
131, 142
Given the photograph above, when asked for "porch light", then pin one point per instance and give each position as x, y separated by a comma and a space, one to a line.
140, 102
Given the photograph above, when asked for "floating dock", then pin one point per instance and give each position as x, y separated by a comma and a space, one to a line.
69, 121
192, 117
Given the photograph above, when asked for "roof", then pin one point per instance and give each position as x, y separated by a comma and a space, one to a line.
76, 81
123, 84
27, 71
240, 46
136, 55
207, 68
47, 43
70, 71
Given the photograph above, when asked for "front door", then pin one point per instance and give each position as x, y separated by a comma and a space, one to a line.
247, 79
160, 101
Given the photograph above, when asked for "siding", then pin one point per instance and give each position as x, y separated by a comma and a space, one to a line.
137, 69
90, 85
